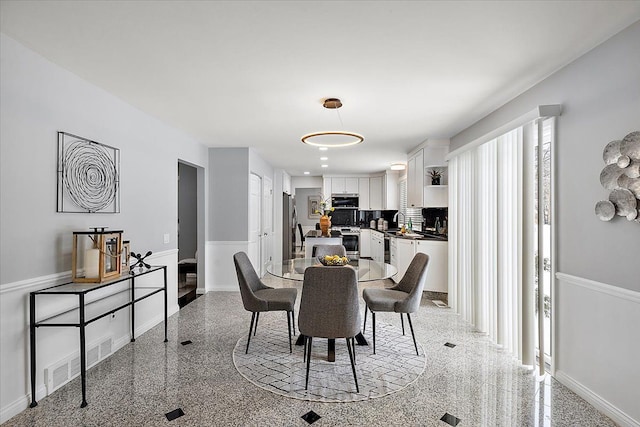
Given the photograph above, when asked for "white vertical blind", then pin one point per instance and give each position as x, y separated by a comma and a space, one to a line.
486, 238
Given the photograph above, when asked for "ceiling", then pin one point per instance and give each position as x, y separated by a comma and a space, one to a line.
238, 74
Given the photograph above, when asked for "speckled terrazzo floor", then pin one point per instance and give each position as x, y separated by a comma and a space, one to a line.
140, 383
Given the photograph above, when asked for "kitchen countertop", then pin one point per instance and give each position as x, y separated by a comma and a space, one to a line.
318, 234
418, 235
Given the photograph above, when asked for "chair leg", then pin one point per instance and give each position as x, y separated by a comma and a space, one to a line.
412, 334
256, 327
365, 319
289, 330
293, 320
353, 346
306, 384
373, 320
253, 317
304, 354
402, 321
352, 357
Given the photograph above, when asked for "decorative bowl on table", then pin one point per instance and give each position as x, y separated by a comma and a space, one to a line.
333, 260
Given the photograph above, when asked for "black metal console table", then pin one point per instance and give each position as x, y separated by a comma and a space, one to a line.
87, 312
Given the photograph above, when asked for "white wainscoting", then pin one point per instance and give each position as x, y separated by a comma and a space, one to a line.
598, 345
55, 344
220, 271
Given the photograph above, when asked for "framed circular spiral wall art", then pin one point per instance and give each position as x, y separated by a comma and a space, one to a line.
88, 176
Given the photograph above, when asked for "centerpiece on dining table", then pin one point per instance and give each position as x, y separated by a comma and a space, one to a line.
325, 216
333, 260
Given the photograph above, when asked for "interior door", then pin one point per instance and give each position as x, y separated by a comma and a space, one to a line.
255, 221
267, 223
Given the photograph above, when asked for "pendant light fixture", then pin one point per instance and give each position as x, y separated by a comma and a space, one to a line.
332, 138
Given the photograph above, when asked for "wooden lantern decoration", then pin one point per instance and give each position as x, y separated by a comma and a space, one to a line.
96, 255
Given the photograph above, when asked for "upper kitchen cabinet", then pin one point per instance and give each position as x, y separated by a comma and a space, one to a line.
391, 193
415, 179
363, 191
383, 192
375, 194
344, 185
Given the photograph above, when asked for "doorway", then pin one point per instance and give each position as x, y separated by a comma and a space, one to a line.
187, 233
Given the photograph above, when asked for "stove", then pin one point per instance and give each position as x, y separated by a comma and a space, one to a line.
350, 240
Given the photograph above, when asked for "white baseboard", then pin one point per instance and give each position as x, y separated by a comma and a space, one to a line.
601, 404
19, 405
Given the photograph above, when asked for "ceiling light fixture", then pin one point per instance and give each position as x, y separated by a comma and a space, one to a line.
323, 148
324, 158
332, 138
397, 166
306, 172
325, 166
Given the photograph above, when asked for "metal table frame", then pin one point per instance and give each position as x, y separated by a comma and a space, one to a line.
81, 290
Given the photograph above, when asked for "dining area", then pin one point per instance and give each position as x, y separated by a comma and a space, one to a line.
327, 299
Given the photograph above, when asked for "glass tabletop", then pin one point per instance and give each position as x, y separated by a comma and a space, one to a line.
366, 269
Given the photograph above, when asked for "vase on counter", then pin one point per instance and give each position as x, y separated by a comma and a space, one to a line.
325, 225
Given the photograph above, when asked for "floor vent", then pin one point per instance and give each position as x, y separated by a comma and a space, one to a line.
63, 371
439, 303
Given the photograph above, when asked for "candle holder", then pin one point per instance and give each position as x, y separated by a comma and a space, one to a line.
96, 255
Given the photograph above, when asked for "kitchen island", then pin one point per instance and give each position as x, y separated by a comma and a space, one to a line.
315, 237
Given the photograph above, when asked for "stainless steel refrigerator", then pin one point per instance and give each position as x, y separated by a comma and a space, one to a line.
289, 223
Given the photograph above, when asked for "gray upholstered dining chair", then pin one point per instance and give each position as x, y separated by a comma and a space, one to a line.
258, 297
401, 298
329, 308
322, 250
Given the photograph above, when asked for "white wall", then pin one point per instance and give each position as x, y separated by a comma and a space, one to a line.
600, 96
229, 170
302, 206
305, 182
38, 100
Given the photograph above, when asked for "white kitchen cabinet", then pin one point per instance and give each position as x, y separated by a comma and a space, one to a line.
351, 185
377, 246
344, 185
365, 243
375, 193
393, 254
391, 199
405, 251
363, 191
415, 180
438, 274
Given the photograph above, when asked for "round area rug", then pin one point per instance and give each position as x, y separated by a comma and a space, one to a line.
270, 366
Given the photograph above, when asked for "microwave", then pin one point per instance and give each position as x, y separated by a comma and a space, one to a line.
344, 201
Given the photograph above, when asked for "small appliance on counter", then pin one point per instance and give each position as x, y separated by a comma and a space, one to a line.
372, 224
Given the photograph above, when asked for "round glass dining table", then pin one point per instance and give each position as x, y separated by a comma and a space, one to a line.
366, 269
